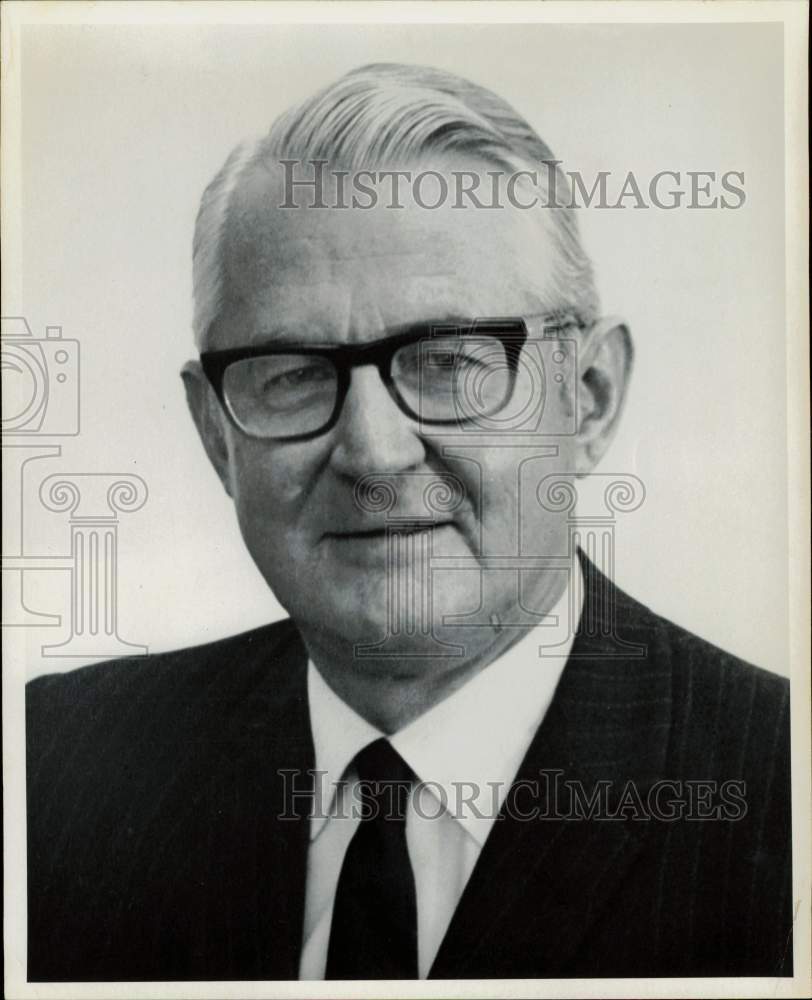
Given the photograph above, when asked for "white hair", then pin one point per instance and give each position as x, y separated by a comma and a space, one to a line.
392, 113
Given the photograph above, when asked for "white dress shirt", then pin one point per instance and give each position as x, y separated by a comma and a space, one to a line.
465, 752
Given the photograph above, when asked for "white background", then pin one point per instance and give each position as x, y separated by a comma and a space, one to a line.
122, 127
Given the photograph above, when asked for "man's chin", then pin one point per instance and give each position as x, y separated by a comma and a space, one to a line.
374, 614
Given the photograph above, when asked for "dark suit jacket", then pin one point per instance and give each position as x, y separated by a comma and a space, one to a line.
155, 850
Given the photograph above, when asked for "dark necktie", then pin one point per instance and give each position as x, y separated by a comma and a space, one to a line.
374, 930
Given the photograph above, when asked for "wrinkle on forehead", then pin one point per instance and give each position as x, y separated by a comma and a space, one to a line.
339, 312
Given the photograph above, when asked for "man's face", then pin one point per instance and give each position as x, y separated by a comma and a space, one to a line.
347, 277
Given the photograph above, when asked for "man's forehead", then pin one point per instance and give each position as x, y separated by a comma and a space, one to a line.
260, 224
309, 264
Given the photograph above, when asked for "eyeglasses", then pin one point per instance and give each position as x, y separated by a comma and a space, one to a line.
437, 374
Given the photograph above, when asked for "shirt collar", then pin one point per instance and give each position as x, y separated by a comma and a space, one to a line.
339, 733
468, 748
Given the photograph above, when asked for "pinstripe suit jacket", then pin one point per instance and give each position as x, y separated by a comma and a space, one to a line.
156, 851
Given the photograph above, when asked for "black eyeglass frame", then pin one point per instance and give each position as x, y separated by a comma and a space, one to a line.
511, 332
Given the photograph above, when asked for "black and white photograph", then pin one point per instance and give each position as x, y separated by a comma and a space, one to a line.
406, 500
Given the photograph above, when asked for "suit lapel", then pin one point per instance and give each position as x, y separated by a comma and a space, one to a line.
540, 882
290, 748
265, 751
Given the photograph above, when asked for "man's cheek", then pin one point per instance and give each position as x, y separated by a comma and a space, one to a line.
264, 512
499, 509
511, 518
268, 480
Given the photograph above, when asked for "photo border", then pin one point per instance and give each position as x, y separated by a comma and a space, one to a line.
794, 16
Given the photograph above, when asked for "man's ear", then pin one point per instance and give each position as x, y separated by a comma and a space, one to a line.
208, 418
605, 365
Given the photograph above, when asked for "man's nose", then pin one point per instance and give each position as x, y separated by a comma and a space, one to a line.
372, 434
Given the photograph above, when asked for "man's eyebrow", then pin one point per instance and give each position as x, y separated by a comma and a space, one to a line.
278, 335
440, 320
286, 335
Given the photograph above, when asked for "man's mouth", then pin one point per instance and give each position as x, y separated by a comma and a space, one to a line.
395, 528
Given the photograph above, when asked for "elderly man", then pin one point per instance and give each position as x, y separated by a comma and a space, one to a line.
466, 754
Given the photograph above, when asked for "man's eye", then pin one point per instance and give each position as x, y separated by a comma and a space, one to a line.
470, 361
298, 377
455, 359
